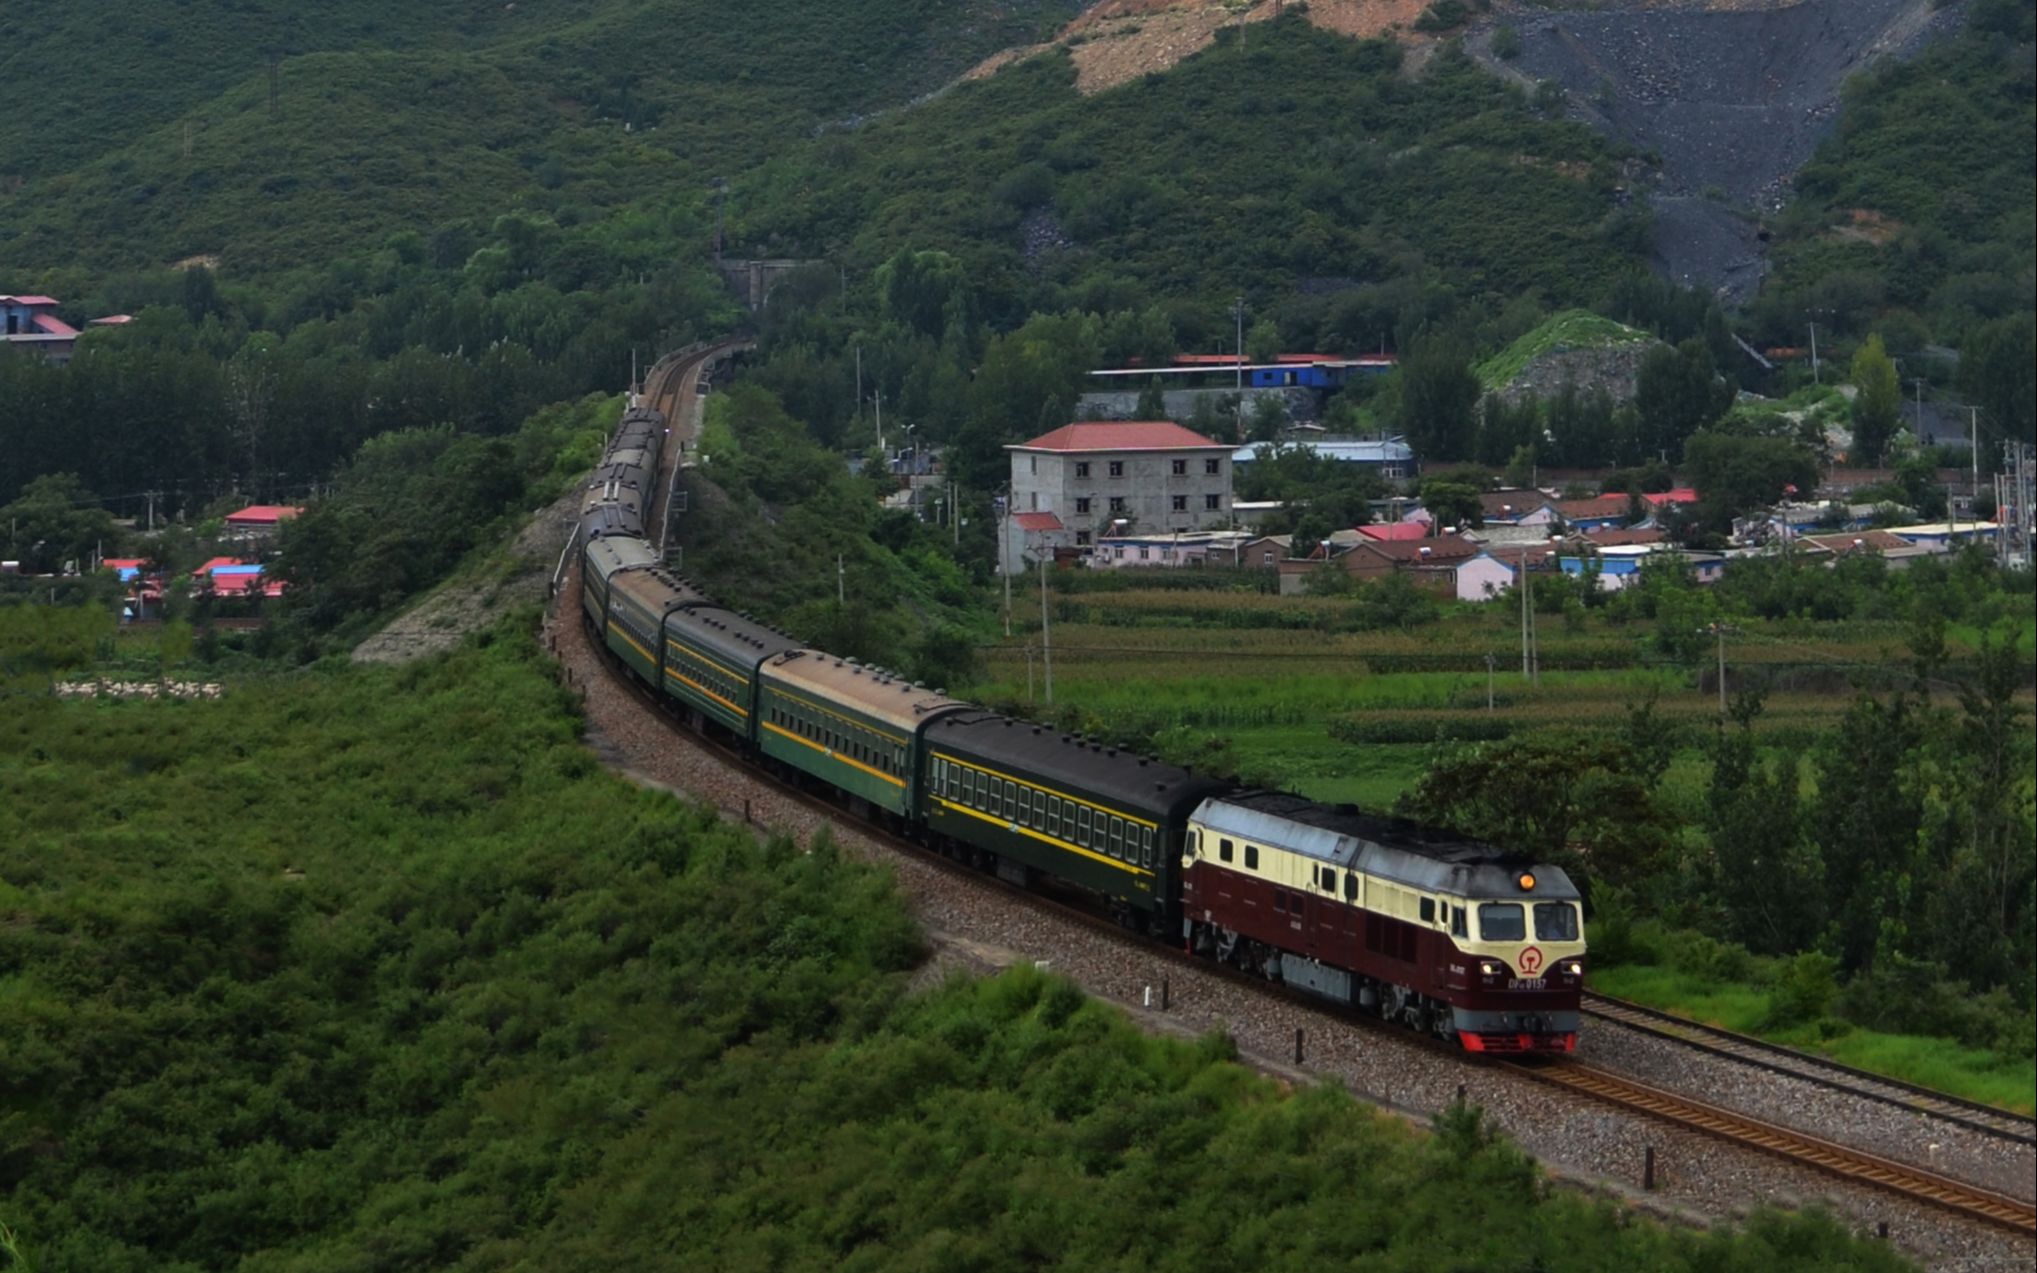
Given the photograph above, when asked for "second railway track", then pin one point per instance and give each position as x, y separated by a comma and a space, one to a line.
1983, 1119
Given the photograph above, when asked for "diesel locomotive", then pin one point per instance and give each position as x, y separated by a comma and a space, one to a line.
1449, 936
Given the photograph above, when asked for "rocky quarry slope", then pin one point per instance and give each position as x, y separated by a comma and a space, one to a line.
1731, 95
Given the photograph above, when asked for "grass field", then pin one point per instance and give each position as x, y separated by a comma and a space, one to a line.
1940, 1064
1340, 715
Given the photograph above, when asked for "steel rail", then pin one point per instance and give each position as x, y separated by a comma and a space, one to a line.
1801, 1148
1975, 1116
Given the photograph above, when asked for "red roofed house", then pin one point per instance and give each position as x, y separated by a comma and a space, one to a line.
1389, 532
1681, 495
1120, 476
232, 577
258, 520
31, 323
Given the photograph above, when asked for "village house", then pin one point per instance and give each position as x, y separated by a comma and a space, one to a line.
1432, 561
30, 324
1117, 478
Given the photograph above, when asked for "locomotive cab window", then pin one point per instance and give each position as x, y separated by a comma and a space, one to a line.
1501, 921
1457, 922
1428, 910
1555, 921
1351, 887
1224, 850
1251, 857
1327, 878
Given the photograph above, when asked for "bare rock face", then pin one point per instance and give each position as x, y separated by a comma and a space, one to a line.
1616, 369
1731, 96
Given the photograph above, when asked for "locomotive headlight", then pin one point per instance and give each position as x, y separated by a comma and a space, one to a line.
1487, 968
1575, 968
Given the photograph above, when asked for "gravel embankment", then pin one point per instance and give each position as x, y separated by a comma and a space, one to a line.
1590, 1143
1879, 1128
974, 926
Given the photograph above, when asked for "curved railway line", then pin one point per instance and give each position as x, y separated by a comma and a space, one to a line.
670, 386
1975, 1116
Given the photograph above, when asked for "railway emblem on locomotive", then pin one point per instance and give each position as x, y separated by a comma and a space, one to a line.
1531, 960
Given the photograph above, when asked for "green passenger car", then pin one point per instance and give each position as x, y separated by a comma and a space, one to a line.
711, 657
856, 728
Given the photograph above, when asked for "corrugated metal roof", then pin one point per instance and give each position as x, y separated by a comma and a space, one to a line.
1036, 521
1349, 450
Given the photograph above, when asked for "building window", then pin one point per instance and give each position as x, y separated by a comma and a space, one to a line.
1117, 468
1181, 503
1212, 467
1032, 463
1082, 539
1214, 503
1181, 468
1035, 495
1142, 553
1117, 503
1082, 468
1082, 504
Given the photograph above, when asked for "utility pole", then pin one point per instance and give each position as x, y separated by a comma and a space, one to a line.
1006, 560
1238, 310
1973, 446
841, 586
1720, 630
1046, 631
859, 380
1816, 378
1919, 382
1490, 664
955, 513
1527, 608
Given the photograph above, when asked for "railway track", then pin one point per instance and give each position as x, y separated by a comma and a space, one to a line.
1973, 1115
1810, 1151
1832, 1159
1635, 1098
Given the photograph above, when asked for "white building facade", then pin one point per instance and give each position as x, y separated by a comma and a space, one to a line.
1113, 478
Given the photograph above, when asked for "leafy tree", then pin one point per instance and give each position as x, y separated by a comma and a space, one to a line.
1736, 475
1877, 403
1438, 400
1679, 391
1866, 818
1573, 799
1452, 504
1769, 876
1262, 341
56, 522
1152, 402
1999, 372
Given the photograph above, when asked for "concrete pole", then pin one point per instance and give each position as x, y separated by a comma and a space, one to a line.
1046, 631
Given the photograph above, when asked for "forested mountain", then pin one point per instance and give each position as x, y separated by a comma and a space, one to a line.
163, 131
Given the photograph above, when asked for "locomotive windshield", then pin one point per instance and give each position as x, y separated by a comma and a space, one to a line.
1555, 921
1501, 921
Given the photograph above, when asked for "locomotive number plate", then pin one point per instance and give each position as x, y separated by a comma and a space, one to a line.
1529, 983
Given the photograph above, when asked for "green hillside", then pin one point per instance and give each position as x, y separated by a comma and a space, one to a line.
399, 115
1299, 156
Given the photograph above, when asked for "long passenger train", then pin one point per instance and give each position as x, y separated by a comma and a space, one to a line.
1449, 936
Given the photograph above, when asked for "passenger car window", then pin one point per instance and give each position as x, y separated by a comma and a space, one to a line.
1555, 921
1501, 921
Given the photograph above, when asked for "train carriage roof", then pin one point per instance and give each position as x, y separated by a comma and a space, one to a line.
1024, 749
1393, 848
873, 691
607, 556
603, 521
738, 638
657, 590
